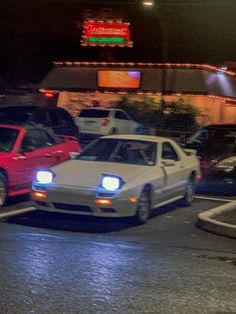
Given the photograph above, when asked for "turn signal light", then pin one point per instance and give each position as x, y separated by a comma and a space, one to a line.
103, 201
133, 199
39, 195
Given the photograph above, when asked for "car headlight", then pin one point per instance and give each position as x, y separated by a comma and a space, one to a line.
227, 164
44, 176
111, 183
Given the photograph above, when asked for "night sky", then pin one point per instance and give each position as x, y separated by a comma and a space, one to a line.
33, 33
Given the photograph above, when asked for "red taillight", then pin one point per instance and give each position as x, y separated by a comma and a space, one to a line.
199, 176
105, 122
204, 164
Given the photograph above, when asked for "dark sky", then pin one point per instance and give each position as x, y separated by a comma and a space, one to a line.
33, 33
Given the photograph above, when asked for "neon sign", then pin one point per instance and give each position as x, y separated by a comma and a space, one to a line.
106, 33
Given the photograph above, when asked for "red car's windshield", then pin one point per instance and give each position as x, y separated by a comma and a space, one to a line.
7, 139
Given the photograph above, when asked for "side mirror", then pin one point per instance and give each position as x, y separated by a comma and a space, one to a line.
74, 155
168, 162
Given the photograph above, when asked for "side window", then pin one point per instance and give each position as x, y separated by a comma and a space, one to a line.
65, 118
41, 116
120, 115
35, 139
55, 117
168, 152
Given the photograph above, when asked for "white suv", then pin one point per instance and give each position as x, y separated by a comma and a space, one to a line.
97, 122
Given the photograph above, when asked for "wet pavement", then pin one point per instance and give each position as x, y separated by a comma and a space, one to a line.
52, 263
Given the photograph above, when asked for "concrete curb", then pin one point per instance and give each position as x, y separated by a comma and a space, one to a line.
9, 213
207, 222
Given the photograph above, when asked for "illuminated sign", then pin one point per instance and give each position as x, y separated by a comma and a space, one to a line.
119, 79
106, 33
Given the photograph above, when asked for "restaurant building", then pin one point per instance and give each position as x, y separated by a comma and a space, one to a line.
76, 85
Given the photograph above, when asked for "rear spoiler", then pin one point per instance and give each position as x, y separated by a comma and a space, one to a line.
190, 152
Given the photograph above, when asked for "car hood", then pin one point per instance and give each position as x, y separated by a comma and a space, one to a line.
88, 173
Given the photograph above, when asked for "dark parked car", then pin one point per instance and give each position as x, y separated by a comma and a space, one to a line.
216, 148
56, 118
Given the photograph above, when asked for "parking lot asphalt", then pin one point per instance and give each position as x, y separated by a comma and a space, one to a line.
52, 263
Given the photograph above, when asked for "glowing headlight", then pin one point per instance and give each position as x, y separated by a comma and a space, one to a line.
111, 183
227, 164
44, 176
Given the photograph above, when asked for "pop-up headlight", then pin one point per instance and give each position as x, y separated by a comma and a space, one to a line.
111, 183
45, 176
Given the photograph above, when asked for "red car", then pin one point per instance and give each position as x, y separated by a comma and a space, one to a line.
25, 148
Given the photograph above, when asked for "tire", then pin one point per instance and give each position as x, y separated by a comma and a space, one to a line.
189, 192
143, 207
3, 190
114, 131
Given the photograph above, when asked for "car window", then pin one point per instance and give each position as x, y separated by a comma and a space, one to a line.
35, 139
93, 113
121, 151
120, 115
201, 135
65, 118
41, 116
168, 152
7, 139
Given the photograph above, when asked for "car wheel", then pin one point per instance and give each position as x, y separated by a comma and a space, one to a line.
143, 207
189, 192
114, 131
3, 190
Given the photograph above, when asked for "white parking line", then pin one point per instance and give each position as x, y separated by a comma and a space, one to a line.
208, 198
17, 212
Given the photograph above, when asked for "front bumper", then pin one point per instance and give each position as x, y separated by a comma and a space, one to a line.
81, 201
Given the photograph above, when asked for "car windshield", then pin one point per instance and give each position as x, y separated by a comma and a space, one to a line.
134, 152
7, 139
93, 113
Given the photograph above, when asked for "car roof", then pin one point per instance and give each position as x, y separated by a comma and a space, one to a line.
25, 107
138, 137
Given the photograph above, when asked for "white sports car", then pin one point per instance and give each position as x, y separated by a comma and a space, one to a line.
119, 176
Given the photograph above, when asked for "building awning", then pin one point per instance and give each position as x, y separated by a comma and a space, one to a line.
200, 79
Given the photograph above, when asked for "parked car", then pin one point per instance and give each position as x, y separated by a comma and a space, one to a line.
24, 149
96, 122
119, 176
216, 148
56, 118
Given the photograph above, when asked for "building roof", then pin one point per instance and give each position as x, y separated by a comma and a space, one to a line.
200, 79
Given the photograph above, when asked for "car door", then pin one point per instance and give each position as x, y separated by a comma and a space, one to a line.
36, 152
173, 168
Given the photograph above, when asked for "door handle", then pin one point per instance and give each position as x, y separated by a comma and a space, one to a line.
48, 155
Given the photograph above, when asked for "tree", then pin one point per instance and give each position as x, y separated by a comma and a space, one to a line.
178, 115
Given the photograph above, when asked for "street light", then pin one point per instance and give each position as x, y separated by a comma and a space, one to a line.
148, 3
164, 57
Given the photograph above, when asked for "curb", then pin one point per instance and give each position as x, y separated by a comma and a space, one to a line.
9, 213
207, 222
